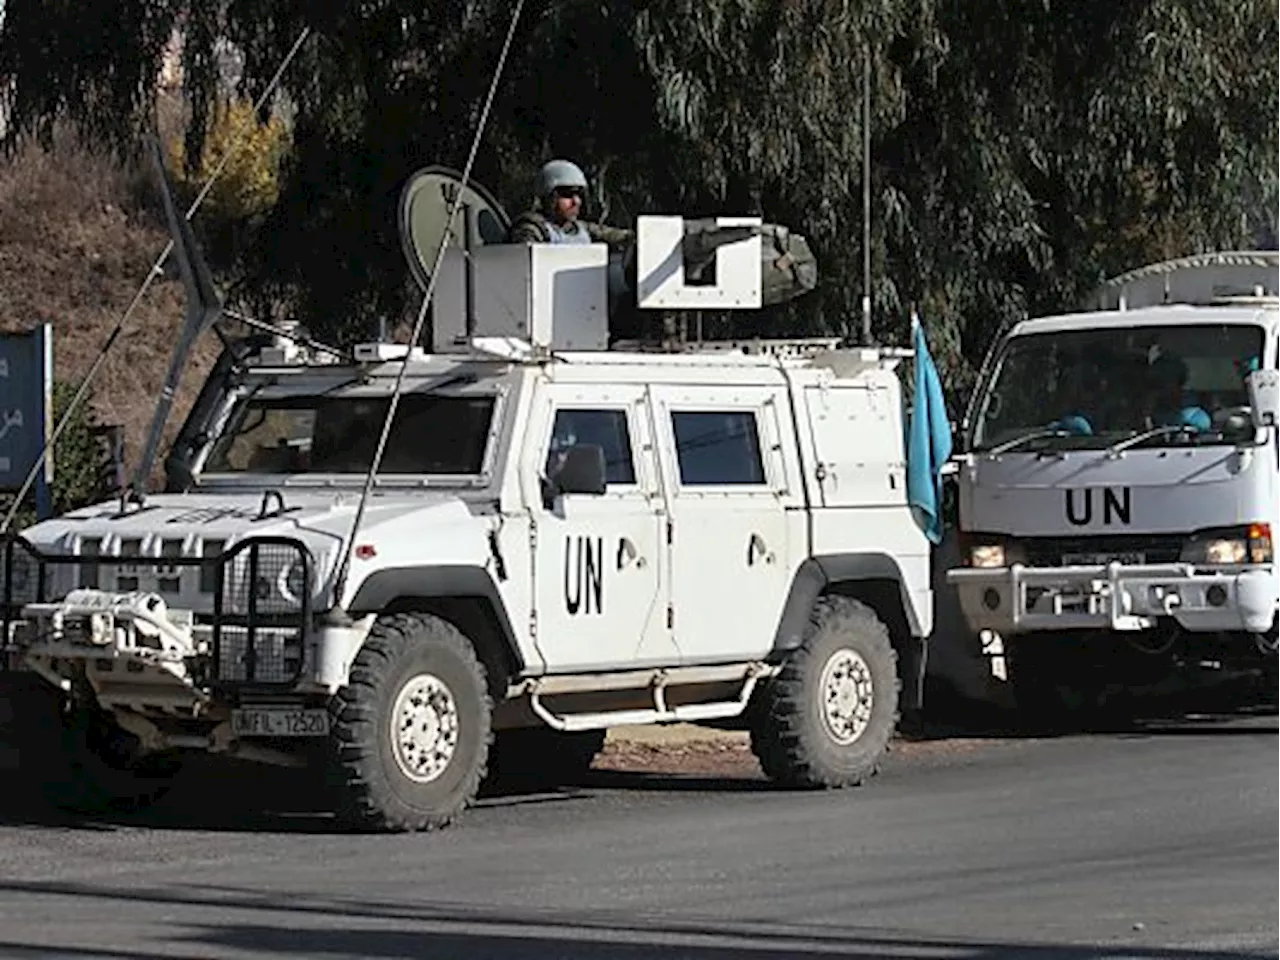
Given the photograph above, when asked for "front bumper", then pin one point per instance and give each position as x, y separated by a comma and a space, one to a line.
1020, 599
196, 626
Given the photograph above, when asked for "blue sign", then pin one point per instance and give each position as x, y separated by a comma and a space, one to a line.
26, 409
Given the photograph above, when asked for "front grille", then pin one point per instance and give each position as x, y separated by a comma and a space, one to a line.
260, 593
169, 566
1049, 551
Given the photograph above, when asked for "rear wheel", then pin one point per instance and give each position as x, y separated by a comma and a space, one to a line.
826, 719
411, 730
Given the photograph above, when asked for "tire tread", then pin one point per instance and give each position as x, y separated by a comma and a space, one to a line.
782, 738
366, 800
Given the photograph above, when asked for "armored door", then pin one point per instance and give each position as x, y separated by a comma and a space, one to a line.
599, 572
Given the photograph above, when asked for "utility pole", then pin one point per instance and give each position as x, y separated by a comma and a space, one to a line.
866, 196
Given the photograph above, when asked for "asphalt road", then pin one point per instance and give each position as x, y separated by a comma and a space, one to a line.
1161, 843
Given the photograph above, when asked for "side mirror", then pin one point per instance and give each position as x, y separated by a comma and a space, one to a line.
583, 471
1264, 398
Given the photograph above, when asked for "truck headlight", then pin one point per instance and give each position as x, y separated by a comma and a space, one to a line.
1233, 546
987, 555
292, 583
271, 577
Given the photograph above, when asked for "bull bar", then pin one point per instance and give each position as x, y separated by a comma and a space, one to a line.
1021, 599
254, 640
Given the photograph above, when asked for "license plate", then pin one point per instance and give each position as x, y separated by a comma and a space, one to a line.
1130, 558
266, 722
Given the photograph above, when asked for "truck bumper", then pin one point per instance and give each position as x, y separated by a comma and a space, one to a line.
1019, 599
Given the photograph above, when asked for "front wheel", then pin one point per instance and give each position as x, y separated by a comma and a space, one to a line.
827, 718
411, 730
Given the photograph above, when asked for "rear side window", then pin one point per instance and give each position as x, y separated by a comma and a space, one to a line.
718, 448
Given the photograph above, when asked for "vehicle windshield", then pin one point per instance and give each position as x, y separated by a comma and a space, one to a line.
432, 434
1089, 389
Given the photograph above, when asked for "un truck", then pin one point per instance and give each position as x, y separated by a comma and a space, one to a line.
562, 533
1119, 491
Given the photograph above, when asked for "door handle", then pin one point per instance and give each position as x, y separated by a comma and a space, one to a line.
627, 553
757, 547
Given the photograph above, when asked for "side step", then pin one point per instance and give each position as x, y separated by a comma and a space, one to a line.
657, 682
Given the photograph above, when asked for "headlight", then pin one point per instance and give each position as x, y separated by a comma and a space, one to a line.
1233, 550
292, 583
271, 574
987, 555
1234, 546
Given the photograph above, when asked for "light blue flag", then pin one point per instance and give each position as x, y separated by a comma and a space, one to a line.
928, 441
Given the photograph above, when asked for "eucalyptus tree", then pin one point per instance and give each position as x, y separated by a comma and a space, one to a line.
1021, 150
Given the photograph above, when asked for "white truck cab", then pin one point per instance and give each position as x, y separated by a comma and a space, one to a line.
565, 534
1119, 486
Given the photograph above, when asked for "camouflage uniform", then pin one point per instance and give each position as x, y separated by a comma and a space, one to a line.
534, 226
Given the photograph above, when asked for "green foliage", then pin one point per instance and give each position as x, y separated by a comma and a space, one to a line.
250, 154
1022, 150
78, 461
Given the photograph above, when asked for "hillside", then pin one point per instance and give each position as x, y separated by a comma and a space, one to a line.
78, 233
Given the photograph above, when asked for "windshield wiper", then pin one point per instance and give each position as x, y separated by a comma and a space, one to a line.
1137, 438
1025, 439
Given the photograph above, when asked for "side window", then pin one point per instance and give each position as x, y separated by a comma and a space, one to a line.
606, 428
717, 448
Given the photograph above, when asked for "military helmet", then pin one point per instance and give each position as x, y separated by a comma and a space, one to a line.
559, 173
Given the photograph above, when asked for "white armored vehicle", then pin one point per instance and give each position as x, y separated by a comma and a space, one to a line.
1120, 490
563, 535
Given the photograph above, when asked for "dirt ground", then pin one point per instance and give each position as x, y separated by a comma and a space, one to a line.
688, 749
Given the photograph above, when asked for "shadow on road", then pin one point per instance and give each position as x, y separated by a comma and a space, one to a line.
280, 925
219, 795
1212, 712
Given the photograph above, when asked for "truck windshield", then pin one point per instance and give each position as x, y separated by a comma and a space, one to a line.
432, 434
1088, 389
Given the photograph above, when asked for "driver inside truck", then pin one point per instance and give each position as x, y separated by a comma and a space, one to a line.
1166, 400
1083, 386
1071, 397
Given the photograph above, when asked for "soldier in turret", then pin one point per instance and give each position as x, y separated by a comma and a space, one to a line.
561, 188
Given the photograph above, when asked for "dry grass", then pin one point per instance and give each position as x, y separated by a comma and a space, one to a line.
76, 243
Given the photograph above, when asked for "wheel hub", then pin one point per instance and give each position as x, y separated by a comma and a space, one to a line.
847, 696
424, 728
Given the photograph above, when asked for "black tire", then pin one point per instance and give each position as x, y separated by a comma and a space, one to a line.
374, 789
793, 739
539, 757
76, 757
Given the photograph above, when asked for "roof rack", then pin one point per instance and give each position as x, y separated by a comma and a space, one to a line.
845, 359
798, 348
1209, 279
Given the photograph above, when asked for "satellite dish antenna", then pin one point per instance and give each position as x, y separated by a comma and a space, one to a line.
425, 204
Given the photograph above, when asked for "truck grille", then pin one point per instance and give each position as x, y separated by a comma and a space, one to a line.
1050, 551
